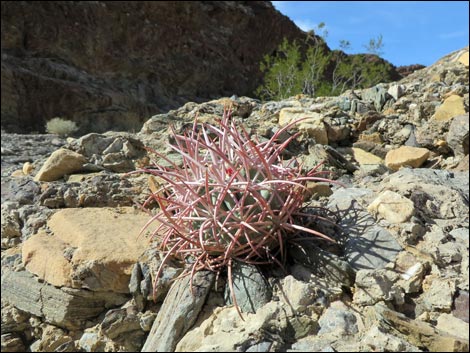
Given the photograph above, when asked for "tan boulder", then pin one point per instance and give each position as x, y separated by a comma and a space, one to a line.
60, 163
392, 206
451, 107
93, 248
406, 156
312, 124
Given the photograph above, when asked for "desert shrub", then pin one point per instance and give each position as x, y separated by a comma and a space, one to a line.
232, 199
61, 126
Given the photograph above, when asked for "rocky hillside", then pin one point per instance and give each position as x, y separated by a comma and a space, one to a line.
110, 65
75, 276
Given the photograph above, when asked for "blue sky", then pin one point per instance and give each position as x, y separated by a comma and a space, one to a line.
414, 32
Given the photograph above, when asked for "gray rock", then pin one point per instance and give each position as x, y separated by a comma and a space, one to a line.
119, 322
457, 137
323, 264
67, 308
366, 245
178, 312
338, 319
251, 290
461, 306
260, 347
377, 95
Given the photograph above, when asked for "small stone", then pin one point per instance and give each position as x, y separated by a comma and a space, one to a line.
461, 306
60, 163
406, 156
338, 319
393, 207
312, 124
396, 91
457, 137
453, 325
251, 289
363, 157
27, 168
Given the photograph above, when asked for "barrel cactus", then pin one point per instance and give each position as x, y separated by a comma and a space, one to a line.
232, 199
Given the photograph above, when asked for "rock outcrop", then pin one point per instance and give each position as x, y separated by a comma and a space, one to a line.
75, 276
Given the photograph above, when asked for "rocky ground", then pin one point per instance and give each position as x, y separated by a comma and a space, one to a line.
75, 276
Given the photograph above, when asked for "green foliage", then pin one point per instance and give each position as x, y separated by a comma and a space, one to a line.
61, 126
282, 75
316, 72
375, 45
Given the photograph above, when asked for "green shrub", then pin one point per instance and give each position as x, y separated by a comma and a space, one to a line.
61, 126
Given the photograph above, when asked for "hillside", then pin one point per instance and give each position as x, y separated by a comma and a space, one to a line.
109, 65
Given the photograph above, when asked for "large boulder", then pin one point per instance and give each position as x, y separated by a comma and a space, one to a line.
93, 248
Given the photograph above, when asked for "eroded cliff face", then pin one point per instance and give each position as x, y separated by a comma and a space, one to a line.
110, 65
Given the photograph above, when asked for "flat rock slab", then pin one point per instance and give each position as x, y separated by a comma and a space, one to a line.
366, 245
68, 308
92, 248
406, 156
178, 312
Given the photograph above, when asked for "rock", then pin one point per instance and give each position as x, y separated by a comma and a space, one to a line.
10, 226
317, 190
396, 91
178, 312
451, 107
363, 157
338, 319
67, 308
452, 325
60, 163
90, 248
461, 307
322, 264
392, 206
120, 322
418, 333
312, 125
406, 156
52, 338
457, 137
376, 95
438, 294
436, 194
366, 245
376, 340
12, 342
375, 286
301, 297
251, 290
224, 331
27, 168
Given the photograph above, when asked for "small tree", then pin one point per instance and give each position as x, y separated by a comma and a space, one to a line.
375, 46
281, 78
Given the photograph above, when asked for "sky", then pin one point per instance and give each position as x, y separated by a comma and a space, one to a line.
413, 32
